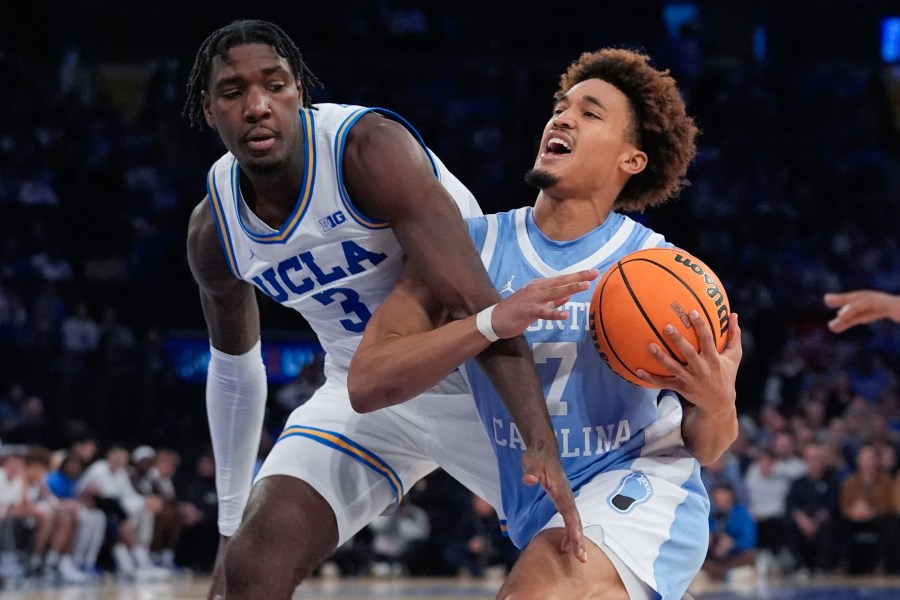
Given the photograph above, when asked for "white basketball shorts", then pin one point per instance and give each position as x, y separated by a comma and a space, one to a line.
651, 518
362, 464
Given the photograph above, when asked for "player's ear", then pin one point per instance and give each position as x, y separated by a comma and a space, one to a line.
634, 161
206, 102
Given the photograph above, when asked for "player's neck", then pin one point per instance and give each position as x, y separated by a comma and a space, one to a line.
563, 219
273, 197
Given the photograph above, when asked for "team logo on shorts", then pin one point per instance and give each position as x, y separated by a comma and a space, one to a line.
634, 489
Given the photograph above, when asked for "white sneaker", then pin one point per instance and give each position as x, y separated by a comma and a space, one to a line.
147, 574
69, 573
125, 566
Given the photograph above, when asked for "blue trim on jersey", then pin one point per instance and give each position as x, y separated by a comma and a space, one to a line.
341, 144
306, 190
215, 200
350, 448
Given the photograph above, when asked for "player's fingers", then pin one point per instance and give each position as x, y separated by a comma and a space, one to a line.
569, 279
655, 380
833, 300
704, 333
680, 343
529, 479
550, 313
734, 345
574, 532
837, 300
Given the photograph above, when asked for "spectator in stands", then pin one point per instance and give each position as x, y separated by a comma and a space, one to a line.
732, 535
12, 488
108, 482
478, 542
865, 500
812, 508
768, 480
396, 536
725, 469
170, 521
200, 538
63, 482
54, 522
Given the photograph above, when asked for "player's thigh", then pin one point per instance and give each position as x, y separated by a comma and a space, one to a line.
545, 572
287, 521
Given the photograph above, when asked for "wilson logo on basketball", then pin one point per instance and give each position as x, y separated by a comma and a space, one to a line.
712, 290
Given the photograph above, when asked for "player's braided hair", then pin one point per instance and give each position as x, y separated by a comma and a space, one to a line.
662, 128
237, 33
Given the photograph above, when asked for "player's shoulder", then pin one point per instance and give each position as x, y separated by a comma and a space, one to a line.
204, 252
639, 233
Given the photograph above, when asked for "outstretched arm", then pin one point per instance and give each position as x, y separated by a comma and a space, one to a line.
707, 382
236, 379
408, 346
861, 306
389, 177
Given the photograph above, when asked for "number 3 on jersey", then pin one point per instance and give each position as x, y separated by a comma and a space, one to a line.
352, 306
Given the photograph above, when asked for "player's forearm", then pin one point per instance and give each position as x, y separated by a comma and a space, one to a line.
235, 401
397, 370
709, 433
510, 367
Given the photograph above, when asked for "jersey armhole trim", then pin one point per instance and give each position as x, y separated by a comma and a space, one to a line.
340, 146
215, 200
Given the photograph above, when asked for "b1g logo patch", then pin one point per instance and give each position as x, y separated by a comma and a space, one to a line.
633, 490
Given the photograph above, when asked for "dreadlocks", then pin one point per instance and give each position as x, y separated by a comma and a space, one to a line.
237, 33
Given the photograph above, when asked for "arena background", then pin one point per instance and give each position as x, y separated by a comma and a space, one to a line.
795, 190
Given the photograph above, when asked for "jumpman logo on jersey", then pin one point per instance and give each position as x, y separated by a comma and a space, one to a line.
508, 287
252, 254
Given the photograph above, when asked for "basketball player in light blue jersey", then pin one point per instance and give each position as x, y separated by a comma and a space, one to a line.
317, 207
619, 138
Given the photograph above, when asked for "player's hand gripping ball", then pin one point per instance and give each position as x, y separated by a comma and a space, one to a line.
640, 295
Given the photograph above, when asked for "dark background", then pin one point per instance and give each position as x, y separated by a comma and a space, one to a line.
794, 191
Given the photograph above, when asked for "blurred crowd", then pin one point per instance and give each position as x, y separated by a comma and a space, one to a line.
794, 193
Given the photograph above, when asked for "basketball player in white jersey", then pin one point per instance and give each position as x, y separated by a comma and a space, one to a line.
619, 138
318, 207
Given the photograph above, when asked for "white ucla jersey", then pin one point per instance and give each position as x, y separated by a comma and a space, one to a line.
602, 421
331, 263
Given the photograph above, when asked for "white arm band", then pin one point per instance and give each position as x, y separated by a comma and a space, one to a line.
483, 322
235, 407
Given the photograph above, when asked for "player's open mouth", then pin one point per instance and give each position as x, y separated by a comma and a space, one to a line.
557, 145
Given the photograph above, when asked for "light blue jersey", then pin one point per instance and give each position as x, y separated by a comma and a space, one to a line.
604, 424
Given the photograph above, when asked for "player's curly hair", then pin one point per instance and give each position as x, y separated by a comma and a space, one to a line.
238, 33
662, 127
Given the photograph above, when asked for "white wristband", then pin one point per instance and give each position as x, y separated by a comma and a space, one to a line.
483, 323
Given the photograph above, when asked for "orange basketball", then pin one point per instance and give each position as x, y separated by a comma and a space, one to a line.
644, 292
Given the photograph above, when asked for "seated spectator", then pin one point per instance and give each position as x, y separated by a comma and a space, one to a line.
812, 508
55, 523
865, 501
200, 538
768, 480
732, 535
395, 537
12, 488
108, 482
63, 482
156, 480
725, 469
478, 542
